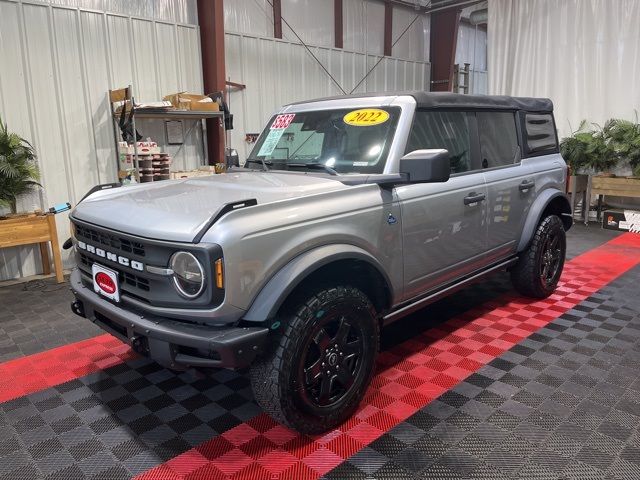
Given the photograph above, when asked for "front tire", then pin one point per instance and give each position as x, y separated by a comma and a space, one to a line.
321, 364
539, 268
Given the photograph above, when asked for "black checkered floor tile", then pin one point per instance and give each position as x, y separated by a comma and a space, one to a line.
35, 317
562, 404
119, 422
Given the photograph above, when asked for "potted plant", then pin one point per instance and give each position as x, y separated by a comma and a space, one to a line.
602, 156
624, 137
18, 169
574, 148
589, 150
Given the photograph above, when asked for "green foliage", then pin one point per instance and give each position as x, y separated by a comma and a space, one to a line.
624, 137
18, 170
575, 148
600, 149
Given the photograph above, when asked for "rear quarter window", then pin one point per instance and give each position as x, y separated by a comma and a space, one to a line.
539, 131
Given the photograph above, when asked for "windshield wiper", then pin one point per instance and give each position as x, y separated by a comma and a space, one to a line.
321, 166
262, 161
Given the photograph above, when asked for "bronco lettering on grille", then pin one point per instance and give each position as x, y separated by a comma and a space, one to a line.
111, 256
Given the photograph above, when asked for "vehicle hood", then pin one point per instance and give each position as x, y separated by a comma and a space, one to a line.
176, 210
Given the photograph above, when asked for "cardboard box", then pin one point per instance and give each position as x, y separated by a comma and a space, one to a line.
192, 101
624, 220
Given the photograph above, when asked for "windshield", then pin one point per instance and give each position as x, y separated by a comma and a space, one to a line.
345, 140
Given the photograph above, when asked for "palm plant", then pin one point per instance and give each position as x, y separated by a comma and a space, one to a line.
602, 156
18, 170
624, 137
576, 148
589, 148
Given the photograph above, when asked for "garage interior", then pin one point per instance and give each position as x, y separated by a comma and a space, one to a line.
481, 384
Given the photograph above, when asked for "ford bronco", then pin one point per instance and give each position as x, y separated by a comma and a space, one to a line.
349, 213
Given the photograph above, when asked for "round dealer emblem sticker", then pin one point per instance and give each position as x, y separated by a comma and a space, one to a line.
105, 282
366, 117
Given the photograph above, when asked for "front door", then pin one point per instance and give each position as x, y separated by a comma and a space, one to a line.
443, 224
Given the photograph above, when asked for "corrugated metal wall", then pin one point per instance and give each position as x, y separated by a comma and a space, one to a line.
313, 21
58, 59
277, 72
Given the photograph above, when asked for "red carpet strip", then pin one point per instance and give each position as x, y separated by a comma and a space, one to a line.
409, 376
40, 371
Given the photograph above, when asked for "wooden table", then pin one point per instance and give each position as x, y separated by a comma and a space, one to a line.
32, 228
615, 186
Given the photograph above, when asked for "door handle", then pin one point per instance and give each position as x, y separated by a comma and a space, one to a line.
526, 185
474, 198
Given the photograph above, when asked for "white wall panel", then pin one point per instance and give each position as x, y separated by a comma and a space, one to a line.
144, 60
311, 19
13, 93
178, 11
363, 26
254, 17
414, 44
277, 72
467, 37
98, 73
57, 65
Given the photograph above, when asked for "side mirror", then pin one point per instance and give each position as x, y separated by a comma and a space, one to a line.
426, 166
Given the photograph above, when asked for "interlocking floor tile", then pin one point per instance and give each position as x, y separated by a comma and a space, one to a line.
112, 418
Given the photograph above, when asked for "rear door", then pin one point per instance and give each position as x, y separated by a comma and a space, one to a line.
510, 183
444, 224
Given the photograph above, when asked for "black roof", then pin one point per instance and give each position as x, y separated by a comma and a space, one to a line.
436, 100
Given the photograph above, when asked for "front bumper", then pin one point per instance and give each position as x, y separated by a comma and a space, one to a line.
171, 343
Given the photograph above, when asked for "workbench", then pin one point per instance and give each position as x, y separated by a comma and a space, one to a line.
34, 228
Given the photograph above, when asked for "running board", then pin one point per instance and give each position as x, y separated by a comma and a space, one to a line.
437, 295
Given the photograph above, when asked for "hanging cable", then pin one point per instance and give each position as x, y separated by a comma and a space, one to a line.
309, 50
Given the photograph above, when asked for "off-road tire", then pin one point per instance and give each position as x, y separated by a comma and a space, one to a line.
526, 274
278, 378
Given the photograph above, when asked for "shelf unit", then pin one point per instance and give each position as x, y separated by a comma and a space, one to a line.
126, 95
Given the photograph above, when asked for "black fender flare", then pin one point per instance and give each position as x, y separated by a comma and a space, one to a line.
273, 294
536, 211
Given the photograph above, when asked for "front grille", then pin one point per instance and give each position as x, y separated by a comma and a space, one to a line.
110, 241
128, 278
118, 251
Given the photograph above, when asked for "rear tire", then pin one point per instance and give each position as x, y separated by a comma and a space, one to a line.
539, 268
320, 365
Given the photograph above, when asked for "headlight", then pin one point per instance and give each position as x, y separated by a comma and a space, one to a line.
188, 274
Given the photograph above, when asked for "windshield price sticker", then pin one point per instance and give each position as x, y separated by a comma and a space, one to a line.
282, 121
271, 142
366, 117
276, 130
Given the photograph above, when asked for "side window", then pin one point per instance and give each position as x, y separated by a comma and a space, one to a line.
540, 133
498, 139
448, 130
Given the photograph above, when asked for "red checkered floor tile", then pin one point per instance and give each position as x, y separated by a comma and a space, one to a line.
409, 377
33, 373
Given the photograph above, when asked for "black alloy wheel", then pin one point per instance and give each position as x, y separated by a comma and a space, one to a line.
551, 258
322, 361
540, 266
333, 362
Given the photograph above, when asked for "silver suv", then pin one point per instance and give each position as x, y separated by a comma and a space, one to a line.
349, 214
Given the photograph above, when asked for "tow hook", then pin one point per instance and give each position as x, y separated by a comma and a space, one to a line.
78, 308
